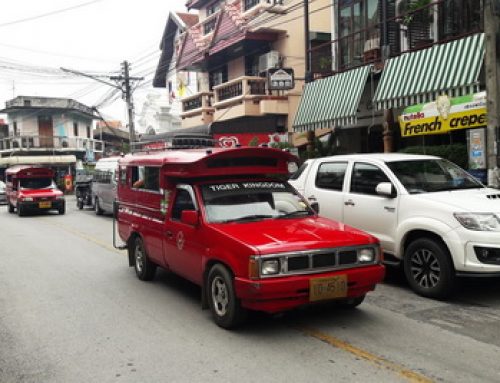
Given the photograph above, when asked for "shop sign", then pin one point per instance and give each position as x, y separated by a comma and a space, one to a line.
280, 79
444, 115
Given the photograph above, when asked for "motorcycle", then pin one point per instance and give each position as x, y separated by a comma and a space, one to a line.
83, 190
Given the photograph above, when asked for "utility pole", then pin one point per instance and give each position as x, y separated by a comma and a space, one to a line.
124, 85
125, 80
492, 68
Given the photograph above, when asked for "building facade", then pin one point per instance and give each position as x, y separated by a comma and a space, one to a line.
394, 64
48, 131
234, 48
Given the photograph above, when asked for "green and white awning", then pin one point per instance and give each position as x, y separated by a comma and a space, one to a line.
418, 77
332, 101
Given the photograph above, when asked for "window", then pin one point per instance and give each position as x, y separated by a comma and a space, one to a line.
218, 76
183, 201
145, 177
248, 4
366, 177
212, 8
123, 175
459, 17
103, 176
252, 65
299, 171
75, 129
88, 131
331, 175
15, 128
209, 25
359, 30
252, 201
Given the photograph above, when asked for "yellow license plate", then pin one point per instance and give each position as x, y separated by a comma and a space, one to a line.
328, 288
44, 204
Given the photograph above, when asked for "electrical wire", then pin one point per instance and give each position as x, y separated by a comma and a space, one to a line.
49, 13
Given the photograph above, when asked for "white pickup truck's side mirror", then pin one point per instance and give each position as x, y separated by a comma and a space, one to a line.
386, 189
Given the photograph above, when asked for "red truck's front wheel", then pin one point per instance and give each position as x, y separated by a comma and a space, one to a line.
225, 306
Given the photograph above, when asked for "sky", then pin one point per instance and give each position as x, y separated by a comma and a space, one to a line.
38, 37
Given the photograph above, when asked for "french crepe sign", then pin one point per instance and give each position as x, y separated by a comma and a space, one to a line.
444, 115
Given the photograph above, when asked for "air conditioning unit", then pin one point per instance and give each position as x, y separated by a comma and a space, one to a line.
268, 61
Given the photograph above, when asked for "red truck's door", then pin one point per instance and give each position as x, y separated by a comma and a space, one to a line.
184, 245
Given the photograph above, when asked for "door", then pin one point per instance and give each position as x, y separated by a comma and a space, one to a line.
46, 131
327, 188
184, 245
365, 209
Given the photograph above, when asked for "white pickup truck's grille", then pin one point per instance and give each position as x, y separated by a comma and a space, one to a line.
493, 196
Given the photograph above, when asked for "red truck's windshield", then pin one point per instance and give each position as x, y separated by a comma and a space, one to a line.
253, 200
36, 183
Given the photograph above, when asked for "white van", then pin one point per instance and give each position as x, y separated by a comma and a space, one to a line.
104, 185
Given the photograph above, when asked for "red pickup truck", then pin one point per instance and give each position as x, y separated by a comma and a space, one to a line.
227, 220
31, 188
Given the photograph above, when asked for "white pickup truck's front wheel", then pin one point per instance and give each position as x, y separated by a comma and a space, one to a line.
428, 268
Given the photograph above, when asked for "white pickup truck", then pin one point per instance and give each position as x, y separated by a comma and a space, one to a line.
428, 213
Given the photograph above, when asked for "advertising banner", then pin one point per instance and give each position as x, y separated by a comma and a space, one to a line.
232, 140
444, 115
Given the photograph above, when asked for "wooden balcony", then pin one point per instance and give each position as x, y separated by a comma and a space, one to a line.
246, 96
197, 110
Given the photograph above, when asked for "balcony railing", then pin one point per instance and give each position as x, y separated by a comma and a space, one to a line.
241, 87
406, 29
28, 142
197, 103
197, 109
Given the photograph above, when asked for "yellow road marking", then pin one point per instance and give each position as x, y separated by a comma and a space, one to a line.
86, 237
409, 375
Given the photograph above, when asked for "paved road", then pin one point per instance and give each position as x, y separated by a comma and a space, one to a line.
72, 311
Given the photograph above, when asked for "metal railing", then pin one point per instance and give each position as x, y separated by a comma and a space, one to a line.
197, 101
407, 28
34, 142
239, 87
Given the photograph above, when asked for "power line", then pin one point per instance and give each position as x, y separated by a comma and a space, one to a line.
49, 13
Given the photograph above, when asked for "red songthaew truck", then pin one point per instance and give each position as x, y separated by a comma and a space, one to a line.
227, 220
32, 188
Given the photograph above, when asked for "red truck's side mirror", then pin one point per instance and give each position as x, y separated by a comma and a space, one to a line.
190, 217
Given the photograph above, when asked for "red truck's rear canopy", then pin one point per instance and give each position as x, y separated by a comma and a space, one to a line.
215, 161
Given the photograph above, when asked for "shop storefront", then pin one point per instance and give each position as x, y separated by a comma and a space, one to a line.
447, 115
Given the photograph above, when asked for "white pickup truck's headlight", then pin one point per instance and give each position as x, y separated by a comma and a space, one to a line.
366, 255
479, 221
270, 267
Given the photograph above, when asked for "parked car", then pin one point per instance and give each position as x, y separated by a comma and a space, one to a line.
32, 188
227, 220
104, 185
3, 196
428, 213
